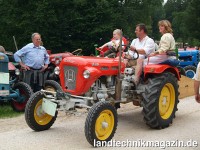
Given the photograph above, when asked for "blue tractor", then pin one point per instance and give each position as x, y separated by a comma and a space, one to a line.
11, 90
189, 60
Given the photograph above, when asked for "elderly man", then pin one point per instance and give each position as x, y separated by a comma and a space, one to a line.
33, 58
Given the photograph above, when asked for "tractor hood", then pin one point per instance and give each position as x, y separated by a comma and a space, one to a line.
188, 53
57, 58
91, 61
78, 73
63, 55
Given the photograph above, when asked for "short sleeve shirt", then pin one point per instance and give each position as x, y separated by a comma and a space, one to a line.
147, 44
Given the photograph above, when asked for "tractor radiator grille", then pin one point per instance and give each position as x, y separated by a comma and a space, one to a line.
70, 77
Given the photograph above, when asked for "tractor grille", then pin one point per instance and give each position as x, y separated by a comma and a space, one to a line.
70, 77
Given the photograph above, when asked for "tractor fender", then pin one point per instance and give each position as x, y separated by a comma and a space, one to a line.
158, 69
94, 75
84, 84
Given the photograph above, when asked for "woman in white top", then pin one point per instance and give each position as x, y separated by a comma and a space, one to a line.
167, 43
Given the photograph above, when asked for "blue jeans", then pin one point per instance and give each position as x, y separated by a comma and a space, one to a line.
171, 62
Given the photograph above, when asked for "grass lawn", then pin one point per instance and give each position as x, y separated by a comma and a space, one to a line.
6, 111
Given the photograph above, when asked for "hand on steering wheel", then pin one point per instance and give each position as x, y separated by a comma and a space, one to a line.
132, 54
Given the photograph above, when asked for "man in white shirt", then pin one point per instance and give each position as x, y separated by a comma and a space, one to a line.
144, 46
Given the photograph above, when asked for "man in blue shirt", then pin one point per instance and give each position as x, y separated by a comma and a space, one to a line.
34, 59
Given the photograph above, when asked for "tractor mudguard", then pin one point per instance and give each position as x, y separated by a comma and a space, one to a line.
160, 68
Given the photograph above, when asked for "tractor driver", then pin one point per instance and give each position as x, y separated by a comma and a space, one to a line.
33, 58
144, 45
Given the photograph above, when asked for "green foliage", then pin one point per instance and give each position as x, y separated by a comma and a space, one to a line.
185, 16
193, 18
7, 112
69, 25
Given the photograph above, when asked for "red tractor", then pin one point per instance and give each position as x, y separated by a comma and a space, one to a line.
100, 84
52, 73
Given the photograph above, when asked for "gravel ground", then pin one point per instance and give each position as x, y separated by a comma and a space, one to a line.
68, 130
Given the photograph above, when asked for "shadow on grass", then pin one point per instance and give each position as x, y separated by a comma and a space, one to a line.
6, 111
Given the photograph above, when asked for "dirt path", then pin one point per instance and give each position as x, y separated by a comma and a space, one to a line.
68, 130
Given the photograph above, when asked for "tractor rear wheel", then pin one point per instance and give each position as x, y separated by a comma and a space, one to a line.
35, 117
160, 100
25, 92
101, 123
190, 71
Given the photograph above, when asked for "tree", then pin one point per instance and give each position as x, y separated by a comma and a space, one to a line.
192, 19
68, 25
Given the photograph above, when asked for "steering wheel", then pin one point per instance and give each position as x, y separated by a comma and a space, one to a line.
77, 51
134, 54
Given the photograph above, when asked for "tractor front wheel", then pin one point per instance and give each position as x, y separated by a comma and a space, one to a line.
51, 85
25, 92
101, 123
35, 117
160, 100
190, 71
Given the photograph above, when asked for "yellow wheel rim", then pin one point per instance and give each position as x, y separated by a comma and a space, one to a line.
40, 116
104, 125
167, 101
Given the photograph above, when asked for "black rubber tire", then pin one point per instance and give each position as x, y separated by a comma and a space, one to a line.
30, 113
181, 70
151, 96
24, 90
52, 86
92, 117
191, 69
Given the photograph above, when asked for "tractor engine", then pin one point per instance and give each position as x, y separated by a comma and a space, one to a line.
104, 87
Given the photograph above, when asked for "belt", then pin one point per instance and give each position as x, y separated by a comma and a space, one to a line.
34, 68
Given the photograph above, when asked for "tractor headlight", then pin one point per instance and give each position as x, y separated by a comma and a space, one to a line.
57, 70
86, 74
17, 72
